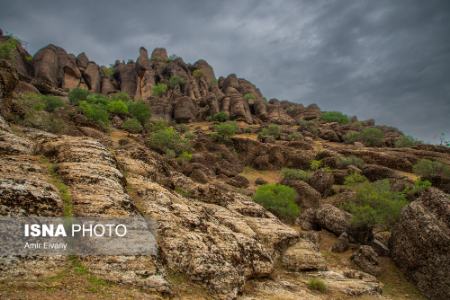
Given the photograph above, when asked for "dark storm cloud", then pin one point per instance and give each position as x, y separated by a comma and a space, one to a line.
387, 60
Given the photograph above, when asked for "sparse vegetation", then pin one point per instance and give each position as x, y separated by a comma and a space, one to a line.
132, 125
350, 137
176, 81
197, 73
309, 126
420, 185
375, 204
317, 284
185, 156
315, 164
334, 116
372, 136
224, 131
354, 178
295, 174
278, 199
350, 160
7, 48
168, 141
429, 168
159, 89
406, 141
295, 136
271, 131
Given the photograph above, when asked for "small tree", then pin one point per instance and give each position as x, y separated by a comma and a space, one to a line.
132, 126
372, 136
335, 116
159, 89
167, 140
140, 111
77, 94
278, 199
224, 131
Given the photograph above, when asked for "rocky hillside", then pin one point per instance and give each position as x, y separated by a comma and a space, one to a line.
253, 199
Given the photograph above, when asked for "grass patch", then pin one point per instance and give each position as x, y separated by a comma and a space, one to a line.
317, 284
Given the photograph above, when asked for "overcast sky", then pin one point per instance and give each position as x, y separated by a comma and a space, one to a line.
382, 59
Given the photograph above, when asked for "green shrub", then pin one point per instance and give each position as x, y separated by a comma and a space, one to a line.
159, 89
77, 94
197, 73
420, 185
224, 131
95, 112
108, 71
167, 140
317, 284
351, 136
185, 156
132, 126
350, 160
354, 178
117, 107
295, 136
278, 199
372, 136
249, 96
52, 102
288, 173
175, 81
98, 99
428, 168
140, 111
272, 130
220, 117
334, 116
405, 141
315, 164
157, 125
7, 48
375, 203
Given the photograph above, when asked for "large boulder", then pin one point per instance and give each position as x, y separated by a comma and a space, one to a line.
8, 79
92, 77
420, 243
333, 219
127, 78
308, 197
367, 259
184, 110
303, 256
145, 76
322, 181
239, 108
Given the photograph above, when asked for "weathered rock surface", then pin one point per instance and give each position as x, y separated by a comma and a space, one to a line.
367, 259
420, 243
303, 256
333, 219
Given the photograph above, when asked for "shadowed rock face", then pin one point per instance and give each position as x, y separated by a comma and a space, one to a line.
420, 243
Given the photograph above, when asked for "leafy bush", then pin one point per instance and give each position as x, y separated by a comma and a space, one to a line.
159, 89
278, 199
139, 110
354, 178
249, 96
7, 47
350, 160
108, 71
350, 137
98, 99
315, 164
167, 140
117, 107
375, 203
405, 141
420, 185
428, 168
372, 136
295, 136
295, 174
95, 112
334, 116
220, 117
156, 125
175, 81
77, 94
132, 125
272, 130
317, 284
52, 102
197, 73
224, 131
